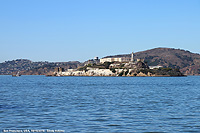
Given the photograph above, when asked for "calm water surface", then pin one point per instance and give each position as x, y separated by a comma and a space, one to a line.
100, 104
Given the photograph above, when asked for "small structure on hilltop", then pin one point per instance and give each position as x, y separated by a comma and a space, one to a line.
96, 60
132, 57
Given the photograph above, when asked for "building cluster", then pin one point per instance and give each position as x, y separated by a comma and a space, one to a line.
126, 62
110, 66
118, 59
124, 66
129, 62
96, 60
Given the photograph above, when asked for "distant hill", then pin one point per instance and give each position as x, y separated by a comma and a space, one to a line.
27, 67
187, 62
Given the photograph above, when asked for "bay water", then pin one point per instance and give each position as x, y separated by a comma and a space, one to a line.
100, 104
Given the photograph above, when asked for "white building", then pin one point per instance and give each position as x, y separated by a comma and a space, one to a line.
153, 67
117, 59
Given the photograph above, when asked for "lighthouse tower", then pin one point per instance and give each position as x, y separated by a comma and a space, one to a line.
132, 57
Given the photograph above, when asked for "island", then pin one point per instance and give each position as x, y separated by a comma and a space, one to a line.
118, 66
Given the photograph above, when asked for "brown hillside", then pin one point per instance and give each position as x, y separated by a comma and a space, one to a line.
189, 63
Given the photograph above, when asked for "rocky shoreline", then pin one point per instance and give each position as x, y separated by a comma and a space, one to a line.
161, 72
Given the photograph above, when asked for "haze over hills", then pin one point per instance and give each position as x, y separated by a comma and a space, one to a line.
187, 62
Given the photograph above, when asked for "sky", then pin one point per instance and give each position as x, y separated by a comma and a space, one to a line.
78, 30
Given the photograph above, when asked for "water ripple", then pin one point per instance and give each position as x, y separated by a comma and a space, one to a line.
101, 104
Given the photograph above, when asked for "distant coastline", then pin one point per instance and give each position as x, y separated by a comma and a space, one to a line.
188, 63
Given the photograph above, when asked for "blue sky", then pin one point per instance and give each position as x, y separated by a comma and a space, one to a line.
67, 30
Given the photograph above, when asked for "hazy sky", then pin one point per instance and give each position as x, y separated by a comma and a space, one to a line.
66, 30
